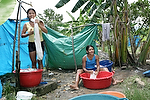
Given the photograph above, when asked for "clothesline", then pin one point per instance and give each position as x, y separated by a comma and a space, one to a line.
87, 25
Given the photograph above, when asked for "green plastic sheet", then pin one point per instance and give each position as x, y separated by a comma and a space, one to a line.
59, 51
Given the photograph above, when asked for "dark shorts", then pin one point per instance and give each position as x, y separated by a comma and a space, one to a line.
92, 68
32, 47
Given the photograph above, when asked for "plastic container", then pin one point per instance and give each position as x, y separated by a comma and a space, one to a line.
97, 97
103, 80
30, 79
106, 63
24, 95
147, 73
1, 88
114, 93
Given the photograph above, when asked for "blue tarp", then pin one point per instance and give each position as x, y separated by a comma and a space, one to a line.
136, 41
7, 31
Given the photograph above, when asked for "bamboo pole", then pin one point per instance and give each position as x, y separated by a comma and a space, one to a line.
17, 52
15, 38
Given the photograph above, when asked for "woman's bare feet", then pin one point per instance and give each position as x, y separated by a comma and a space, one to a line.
74, 87
117, 81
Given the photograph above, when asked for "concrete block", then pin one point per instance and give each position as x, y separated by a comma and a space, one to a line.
41, 89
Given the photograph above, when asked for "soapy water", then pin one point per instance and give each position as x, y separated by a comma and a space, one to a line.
28, 70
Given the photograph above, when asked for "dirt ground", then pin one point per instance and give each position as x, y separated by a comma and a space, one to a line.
65, 77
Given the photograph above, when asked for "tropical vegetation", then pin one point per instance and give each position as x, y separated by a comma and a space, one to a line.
5, 13
123, 18
130, 24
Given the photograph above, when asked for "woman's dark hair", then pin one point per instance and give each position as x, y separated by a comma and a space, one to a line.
29, 10
88, 46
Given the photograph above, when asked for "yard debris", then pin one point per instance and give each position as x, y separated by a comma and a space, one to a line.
123, 67
74, 72
51, 74
59, 81
141, 69
138, 80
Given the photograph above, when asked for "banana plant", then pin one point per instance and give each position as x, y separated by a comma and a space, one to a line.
90, 4
6, 9
141, 33
124, 35
145, 50
102, 10
97, 7
82, 19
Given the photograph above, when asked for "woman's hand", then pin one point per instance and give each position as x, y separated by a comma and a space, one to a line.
41, 25
96, 72
30, 32
37, 21
90, 71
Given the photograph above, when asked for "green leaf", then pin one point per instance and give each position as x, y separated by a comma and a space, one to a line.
73, 19
87, 7
103, 6
78, 5
92, 9
6, 9
61, 3
98, 13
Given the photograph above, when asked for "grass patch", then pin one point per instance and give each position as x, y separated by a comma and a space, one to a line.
9, 91
135, 91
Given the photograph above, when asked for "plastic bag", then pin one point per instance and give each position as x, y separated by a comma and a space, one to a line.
37, 40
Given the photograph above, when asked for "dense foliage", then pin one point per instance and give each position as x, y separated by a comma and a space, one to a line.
51, 19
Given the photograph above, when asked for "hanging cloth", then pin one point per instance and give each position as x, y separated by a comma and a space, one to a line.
105, 31
37, 40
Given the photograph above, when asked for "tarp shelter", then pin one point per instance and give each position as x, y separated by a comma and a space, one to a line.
7, 31
59, 52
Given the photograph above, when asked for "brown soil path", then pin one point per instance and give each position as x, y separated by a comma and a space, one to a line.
65, 77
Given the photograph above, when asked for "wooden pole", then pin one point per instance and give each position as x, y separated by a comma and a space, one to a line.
15, 38
73, 49
17, 53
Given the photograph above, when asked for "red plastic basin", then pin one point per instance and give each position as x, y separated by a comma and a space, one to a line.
103, 80
31, 79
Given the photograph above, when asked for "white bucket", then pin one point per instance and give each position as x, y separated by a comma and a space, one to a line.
24, 95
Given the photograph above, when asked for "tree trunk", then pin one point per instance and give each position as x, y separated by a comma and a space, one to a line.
124, 36
116, 42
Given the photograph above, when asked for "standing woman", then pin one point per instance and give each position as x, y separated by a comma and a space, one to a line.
28, 30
